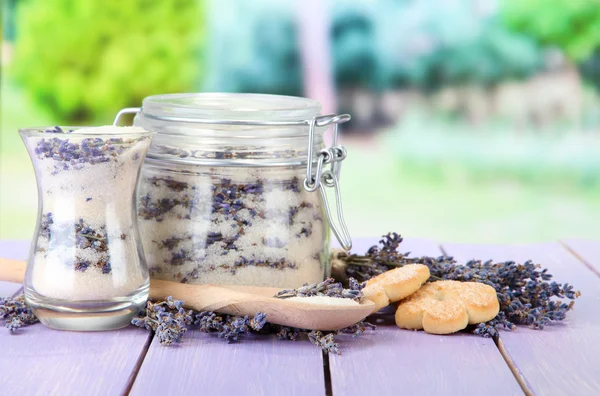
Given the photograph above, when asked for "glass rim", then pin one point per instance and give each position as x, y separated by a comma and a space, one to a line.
41, 132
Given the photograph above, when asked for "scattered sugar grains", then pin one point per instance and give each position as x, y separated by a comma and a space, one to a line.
324, 300
85, 239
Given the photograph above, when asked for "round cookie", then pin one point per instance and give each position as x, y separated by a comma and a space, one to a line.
396, 284
446, 307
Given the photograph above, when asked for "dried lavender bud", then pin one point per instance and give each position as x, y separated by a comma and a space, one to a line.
287, 333
168, 319
56, 129
293, 211
325, 341
87, 237
357, 329
327, 288
171, 184
229, 327
15, 313
171, 243
276, 264
258, 322
524, 291
490, 328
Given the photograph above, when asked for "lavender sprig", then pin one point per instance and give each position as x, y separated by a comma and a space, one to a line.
328, 288
526, 294
15, 313
168, 319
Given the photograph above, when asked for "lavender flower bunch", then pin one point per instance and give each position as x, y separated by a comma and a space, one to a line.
15, 313
526, 294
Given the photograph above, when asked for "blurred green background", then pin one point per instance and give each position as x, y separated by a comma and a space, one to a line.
473, 120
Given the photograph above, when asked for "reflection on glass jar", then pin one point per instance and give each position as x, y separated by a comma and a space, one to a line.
86, 270
222, 198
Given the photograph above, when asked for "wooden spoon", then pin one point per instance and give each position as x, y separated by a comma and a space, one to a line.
239, 300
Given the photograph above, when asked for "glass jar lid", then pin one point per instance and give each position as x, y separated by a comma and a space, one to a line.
210, 107
230, 129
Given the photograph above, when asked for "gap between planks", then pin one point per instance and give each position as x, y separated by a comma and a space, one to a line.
427, 364
579, 257
545, 358
509, 362
138, 364
327, 374
140, 359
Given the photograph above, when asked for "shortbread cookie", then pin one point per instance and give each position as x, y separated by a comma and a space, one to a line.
396, 284
446, 307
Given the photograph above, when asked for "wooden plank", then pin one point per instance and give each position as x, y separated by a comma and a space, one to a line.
40, 361
391, 361
563, 359
16, 250
257, 365
586, 250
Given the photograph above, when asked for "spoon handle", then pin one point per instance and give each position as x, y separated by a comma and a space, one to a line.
12, 270
199, 297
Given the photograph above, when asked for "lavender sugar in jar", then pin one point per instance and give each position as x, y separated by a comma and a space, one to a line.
224, 196
86, 270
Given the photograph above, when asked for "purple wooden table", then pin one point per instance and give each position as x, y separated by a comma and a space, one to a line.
564, 359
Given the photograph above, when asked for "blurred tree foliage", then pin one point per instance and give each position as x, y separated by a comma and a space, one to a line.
254, 47
427, 44
571, 25
376, 44
590, 69
85, 59
355, 55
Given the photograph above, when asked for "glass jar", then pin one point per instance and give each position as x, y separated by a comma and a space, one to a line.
224, 196
86, 270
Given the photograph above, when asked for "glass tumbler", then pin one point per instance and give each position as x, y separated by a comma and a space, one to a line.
86, 269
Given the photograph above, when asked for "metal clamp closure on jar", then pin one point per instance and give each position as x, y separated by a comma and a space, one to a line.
318, 177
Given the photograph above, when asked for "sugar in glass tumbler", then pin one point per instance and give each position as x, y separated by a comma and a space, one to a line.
86, 269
